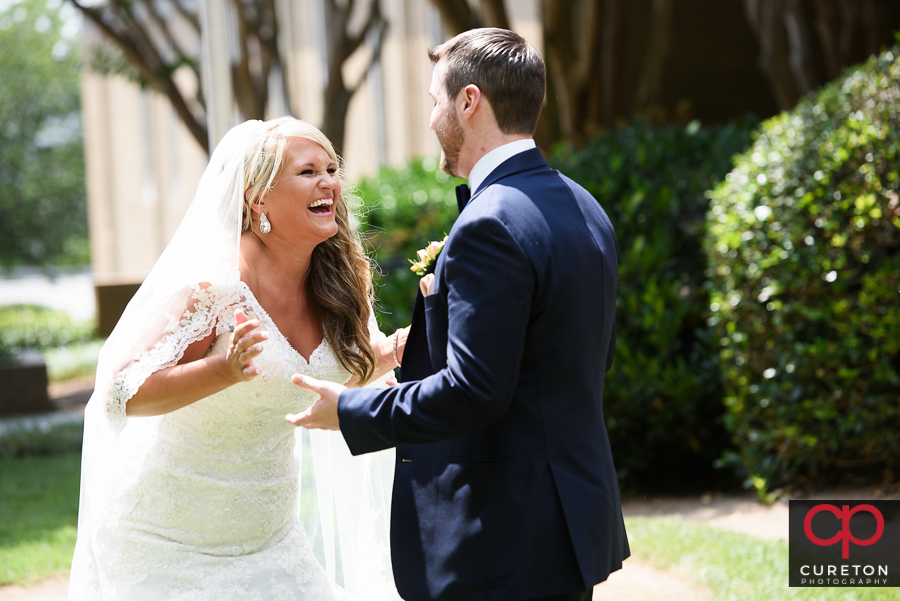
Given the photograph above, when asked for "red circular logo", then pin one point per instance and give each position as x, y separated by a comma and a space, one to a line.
844, 536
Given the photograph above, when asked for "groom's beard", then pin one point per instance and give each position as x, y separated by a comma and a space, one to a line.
451, 137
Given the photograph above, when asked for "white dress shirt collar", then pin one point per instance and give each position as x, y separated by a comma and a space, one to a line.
494, 159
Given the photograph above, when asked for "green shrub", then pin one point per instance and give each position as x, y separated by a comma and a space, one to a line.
403, 209
75, 360
36, 327
663, 398
805, 270
43, 206
49, 434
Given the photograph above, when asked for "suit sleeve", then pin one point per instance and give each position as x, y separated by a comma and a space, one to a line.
489, 285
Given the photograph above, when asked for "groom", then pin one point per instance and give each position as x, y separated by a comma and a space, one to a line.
504, 486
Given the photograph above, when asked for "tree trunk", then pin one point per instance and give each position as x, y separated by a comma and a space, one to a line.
793, 33
457, 16
142, 56
765, 19
493, 14
800, 48
152, 46
657, 50
589, 86
342, 43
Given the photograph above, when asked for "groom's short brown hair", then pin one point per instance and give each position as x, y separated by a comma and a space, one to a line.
507, 70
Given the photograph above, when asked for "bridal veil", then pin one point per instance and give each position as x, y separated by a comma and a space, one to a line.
343, 501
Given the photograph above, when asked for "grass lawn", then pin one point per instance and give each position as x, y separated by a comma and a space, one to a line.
38, 515
734, 567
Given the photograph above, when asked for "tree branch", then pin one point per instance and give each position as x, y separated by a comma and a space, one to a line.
380, 26
871, 17
158, 81
827, 26
337, 97
282, 43
267, 33
764, 17
799, 48
163, 27
140, 38
650, 78
242, 78
188, 16
558, 42
753, 13
610, 30
849, 17
457, 15
493, 13
589, 46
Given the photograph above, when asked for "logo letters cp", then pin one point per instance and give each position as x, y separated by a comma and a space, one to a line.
845, 536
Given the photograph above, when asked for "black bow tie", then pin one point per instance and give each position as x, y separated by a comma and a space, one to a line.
462, 196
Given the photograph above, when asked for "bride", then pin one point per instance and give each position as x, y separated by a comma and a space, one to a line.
191, 483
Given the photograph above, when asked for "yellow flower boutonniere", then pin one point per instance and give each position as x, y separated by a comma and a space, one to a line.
427, 256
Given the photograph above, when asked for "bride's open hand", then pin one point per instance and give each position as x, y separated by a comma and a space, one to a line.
244, 346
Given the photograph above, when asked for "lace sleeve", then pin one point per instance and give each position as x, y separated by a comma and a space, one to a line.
167, 340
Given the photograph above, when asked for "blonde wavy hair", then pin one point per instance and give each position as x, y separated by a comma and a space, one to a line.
340, 276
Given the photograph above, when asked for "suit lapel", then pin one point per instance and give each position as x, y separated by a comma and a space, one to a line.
417, 357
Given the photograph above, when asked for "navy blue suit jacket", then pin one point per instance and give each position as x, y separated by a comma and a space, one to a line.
504, 485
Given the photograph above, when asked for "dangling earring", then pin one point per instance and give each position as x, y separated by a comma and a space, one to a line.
264, 226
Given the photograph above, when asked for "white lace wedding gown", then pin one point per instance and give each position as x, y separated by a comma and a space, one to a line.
206, 504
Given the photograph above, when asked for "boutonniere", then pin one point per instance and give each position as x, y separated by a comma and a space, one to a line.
427, 256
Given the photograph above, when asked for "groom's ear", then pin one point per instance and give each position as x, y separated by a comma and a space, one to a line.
469, 100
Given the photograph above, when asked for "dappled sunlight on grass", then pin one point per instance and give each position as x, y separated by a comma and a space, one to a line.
38, 516
46, 553
735, 567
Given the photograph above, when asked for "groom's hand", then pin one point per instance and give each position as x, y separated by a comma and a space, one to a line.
323, 415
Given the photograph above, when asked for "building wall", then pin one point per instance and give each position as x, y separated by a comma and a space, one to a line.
143, 166
142, 171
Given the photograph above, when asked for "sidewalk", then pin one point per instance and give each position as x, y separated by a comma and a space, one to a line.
53, 589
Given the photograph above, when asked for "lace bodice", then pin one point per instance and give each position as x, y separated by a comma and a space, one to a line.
213, 306
217, 478
232, 452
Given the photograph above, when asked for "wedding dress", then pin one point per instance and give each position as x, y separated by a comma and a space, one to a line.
222, 499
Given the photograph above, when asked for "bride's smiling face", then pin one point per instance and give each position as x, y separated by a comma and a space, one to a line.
301, 206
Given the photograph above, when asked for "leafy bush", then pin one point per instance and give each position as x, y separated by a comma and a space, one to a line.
42, 435
36, 327
663, 398
75, 360
805, 271
403, 209
42, 189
